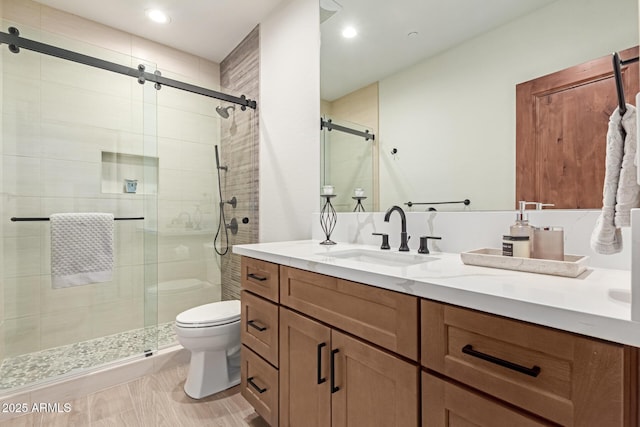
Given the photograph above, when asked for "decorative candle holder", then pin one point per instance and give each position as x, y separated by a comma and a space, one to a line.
359, 207
328, 219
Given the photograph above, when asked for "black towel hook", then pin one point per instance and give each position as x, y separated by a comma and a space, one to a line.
617, 73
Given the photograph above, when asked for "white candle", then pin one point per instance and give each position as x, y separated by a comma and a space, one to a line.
327, 190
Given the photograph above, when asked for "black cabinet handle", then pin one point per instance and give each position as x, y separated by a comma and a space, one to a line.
333, 370
320, 379
252, 323
256, 277
532, 372
256, 386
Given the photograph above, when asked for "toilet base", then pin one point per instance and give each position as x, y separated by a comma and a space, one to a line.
211, 372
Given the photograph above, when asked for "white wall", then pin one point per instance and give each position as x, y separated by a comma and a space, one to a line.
289, 120
452, 117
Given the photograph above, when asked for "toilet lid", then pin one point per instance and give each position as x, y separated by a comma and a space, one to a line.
216, 313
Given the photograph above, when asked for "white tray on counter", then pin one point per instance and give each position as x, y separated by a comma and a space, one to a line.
572, 266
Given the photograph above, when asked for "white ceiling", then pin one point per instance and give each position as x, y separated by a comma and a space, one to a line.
212, 28
207, 28
382, 46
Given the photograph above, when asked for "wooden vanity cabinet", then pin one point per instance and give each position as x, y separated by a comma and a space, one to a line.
319, 351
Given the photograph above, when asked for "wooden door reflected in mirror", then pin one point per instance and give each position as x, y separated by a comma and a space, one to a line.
561, 127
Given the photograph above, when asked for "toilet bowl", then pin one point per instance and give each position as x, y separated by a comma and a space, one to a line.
211, 332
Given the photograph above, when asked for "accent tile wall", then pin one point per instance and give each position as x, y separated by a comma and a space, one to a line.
240, 71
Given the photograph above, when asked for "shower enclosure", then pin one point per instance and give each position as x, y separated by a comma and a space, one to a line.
73, 137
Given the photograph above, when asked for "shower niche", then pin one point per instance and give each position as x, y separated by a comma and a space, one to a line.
129, 173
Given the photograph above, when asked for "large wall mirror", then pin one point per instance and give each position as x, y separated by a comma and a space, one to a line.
435, 81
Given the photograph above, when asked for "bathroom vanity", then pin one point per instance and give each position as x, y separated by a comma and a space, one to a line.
351, 335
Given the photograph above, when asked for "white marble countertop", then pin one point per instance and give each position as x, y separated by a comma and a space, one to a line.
596, 303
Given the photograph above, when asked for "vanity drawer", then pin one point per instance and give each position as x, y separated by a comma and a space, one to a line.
563, 377
259, 277
260, 326
386, 318
445, 404
259, 385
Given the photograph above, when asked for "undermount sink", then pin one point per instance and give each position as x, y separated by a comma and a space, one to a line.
389, 259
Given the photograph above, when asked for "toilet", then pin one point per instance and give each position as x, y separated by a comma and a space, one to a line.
211, 332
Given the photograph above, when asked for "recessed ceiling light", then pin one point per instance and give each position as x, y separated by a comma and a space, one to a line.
412, 34
158, 16
349, 33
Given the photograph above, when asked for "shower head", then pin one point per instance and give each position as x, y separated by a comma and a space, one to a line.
224, 111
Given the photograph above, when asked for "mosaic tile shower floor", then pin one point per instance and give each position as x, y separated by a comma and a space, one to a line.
47, 364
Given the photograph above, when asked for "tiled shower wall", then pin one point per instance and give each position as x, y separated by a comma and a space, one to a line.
55, 166
240, 71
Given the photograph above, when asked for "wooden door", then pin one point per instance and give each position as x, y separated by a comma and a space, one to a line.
305, 396
373, 388
561, 127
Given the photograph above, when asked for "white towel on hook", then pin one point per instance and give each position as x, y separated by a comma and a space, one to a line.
81, 249
606, 237
628, 194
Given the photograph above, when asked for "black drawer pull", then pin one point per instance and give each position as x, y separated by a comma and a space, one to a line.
320, 379
532, 372
256, 386
252, 323
256, 277
333, 370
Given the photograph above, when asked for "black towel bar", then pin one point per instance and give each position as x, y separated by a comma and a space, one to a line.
14, 219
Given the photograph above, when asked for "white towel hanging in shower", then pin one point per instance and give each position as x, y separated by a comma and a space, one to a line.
81, 249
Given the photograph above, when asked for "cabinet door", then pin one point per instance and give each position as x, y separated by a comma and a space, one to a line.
445, 404
371, 387
305, 397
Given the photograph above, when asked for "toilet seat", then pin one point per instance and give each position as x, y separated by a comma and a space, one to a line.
208, 315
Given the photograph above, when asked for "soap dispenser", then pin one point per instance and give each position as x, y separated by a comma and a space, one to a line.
521, 226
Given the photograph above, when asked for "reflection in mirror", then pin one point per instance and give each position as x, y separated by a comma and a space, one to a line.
439, 85
348, 165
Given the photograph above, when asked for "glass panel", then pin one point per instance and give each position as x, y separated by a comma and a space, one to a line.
149, 228
348, 164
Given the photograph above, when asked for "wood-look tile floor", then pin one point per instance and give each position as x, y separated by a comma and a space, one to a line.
156, 400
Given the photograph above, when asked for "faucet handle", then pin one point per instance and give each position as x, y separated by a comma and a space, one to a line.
385, 240
424, 245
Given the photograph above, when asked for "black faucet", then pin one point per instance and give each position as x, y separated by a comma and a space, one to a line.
403, 235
